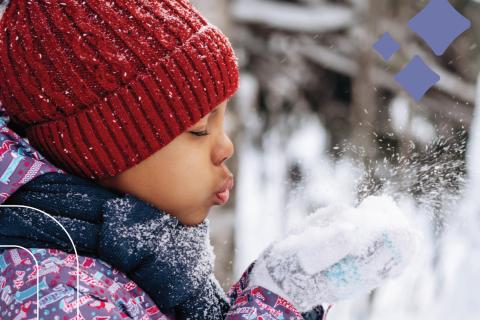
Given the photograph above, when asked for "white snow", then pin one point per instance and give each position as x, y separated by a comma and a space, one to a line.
440, 281
338, 253
473, 150
185, 250
409, 123
399, 112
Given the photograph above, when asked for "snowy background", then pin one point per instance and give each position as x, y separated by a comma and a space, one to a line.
317, 120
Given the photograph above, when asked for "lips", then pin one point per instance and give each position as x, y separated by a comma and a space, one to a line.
223, 194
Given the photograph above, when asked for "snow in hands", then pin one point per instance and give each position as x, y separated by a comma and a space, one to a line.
338, 252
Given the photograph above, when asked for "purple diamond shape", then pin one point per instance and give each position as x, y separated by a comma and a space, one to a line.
416, 78
386, 46
439, 24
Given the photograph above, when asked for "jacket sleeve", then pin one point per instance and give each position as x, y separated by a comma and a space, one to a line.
19, 162
105, 293
259, 302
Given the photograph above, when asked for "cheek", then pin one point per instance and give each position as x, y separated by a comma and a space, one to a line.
189, 178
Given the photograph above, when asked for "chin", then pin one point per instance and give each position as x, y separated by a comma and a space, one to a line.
195, 218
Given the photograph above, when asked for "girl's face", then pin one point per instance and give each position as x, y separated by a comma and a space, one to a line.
184, 177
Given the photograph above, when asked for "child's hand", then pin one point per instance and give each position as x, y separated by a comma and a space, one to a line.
340, 252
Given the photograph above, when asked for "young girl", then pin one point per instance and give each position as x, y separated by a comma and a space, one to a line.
131, 94
128, 98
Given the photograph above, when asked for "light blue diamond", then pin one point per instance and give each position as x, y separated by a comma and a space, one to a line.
416, 78
439, 24
386, 46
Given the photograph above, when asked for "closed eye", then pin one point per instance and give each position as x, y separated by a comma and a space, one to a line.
200, 133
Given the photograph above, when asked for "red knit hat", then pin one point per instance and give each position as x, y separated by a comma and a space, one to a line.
101, 85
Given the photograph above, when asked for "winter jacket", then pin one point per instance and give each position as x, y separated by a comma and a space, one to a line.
19, 162
170, 261
105, 293
91, 233
175, 272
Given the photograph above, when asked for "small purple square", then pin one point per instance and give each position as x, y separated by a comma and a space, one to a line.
386, 46
439, 24
416, 78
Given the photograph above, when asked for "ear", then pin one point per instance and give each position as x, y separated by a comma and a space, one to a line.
3, 7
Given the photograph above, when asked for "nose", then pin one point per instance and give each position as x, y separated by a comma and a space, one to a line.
224, 149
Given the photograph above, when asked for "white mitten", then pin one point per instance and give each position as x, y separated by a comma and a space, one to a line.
341, 251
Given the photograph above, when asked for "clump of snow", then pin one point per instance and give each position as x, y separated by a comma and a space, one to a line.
427, 179
339, 252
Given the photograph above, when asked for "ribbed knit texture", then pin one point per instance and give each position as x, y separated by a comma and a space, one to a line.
101, 85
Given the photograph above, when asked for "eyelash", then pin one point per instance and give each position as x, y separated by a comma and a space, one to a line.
200, 133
